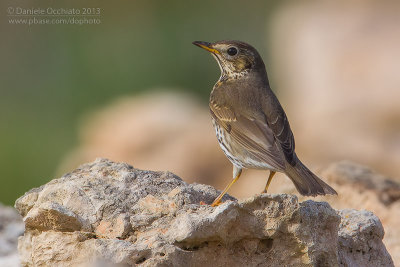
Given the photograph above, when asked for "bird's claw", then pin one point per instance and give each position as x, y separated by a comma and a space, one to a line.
216, 203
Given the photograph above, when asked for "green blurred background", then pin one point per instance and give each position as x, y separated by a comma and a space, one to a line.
53, 74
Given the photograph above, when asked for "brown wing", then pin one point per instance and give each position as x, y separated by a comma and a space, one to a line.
279, 124
253, 135
223, 113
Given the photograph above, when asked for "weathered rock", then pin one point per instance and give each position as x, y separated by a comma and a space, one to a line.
11, 226
360, 187
360, 234
106, 211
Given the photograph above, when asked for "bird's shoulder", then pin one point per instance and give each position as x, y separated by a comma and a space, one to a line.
221, 106
233, 98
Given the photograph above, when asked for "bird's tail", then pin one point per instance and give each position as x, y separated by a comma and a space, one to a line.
306, 182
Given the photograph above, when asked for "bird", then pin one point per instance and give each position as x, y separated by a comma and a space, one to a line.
251, 126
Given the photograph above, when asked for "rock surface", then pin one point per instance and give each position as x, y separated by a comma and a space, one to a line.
360, 234
11, 227
110, 212
359, 187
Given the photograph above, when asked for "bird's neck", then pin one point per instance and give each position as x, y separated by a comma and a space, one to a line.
233, 75
248, 74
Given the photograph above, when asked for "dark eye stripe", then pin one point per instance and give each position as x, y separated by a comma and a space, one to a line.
232, 51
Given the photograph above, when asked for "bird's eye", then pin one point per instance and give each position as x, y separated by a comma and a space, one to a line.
232, 51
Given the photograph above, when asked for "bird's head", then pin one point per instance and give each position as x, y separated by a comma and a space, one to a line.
235, 58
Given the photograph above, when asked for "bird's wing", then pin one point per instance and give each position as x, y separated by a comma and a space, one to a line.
222, 112
253, 135
279, 124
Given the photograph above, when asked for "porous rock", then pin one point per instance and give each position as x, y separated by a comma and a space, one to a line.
360, 234
11, 227
112, 213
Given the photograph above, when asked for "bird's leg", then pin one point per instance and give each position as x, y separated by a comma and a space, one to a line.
236, 173
271, 174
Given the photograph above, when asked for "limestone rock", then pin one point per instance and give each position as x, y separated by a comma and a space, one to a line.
359, 187
361, 234
11, 226
110, 213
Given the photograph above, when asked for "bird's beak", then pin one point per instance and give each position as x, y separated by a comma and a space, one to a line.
206, 46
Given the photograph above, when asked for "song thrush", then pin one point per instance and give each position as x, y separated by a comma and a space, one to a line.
251, 125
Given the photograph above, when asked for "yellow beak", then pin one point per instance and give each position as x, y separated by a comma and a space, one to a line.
206, 46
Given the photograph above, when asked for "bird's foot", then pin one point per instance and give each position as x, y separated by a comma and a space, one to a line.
216, 203
212, 205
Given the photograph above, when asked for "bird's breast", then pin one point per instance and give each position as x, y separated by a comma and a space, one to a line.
225, 142
235, 152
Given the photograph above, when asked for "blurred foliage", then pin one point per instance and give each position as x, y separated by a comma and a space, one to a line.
52, 74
